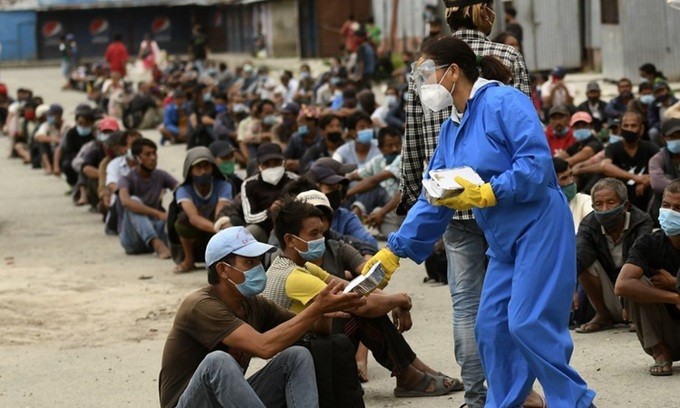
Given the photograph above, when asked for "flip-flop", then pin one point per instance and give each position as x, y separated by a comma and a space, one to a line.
598, 327
419, 390
657, 369
456, 384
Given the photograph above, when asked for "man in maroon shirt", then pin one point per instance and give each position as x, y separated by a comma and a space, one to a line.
117, 55
558, 132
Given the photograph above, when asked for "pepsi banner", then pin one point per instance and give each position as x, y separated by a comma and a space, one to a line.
94, 29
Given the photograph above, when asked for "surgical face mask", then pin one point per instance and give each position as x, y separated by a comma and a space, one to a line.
614, 138
101, 137
129, 156
389, 158
227, 168
365, 136
561, 132
647, 99
569, 191
273, 175
269, 120
669, 221
391, 101
207, 97
52, 120
203, 179
304, 75
254, 283
315, 249
611, 218
582, 134
220, 107
334, 137
84, 131
303, 130
335, 81
629, 137
673, 146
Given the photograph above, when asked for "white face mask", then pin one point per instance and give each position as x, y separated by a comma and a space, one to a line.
273, 175
435, 97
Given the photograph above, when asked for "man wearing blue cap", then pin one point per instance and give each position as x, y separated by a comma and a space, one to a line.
219, 328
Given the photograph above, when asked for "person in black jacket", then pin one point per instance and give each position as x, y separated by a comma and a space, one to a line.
603, 241
594, 105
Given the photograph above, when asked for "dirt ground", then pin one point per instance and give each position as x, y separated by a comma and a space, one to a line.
83, 325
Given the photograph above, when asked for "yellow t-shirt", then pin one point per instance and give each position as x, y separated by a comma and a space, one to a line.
301, 288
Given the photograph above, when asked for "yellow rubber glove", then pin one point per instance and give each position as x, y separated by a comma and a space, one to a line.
389, 262
472, 196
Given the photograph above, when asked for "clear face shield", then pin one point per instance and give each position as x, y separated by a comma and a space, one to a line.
433, 95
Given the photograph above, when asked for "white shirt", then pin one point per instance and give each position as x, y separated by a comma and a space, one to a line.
580, 206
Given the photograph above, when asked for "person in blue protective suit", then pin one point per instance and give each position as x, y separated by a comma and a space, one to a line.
521, 327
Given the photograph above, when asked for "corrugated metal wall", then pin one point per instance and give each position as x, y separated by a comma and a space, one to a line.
650, 32
552, 35
17, 35
411, 20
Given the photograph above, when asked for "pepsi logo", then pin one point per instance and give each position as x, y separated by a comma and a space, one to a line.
160, 24
98, 26
52, 28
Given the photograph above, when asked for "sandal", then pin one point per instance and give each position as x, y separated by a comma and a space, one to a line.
419, 390
456, 384
593, 327
661, 369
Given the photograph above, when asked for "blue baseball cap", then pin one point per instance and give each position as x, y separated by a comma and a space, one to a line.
234, 240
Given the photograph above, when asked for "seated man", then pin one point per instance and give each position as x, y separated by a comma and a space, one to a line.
628, 160
118, 167
89, 158
330, 128
587, 144
663, 100
142, 111
329, 177
307, 135
649, 283
70, 144
558, 132
603, 244
262, 191
201, 198
377, 194
49, 135
225, 158
219, 328
141, 192
293, 283
580, 204
364, 147
175, 127
665, 165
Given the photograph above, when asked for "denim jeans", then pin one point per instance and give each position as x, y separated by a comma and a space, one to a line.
138, 230
466, 255
287, 380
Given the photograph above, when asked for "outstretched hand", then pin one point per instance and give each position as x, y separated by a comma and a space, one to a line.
331, 299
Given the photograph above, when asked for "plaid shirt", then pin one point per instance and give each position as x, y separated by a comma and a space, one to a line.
422, 132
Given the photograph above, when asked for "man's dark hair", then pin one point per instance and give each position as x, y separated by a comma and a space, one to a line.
126, 135
560, 165
385, 132
213, 277
357, 117
673, 187
635, 113
117, 37
645, 86
326, 120
511, 12
624, 80
139, 144
289, 218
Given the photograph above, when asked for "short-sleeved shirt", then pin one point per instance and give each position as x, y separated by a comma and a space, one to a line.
340, 257
637, 164
376, 165
347, 154
202, 322
592, 142
653, 252
117, 168
220, 191
94, 157
149, 190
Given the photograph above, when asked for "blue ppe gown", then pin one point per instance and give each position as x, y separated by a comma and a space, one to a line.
522, 325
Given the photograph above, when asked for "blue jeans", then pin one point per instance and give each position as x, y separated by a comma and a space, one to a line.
466, 255
287, 380
138, 230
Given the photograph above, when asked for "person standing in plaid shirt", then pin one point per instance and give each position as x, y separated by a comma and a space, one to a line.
470, 21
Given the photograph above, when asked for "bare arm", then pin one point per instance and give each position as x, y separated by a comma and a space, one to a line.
195, 218
91, 172
266, 345
585, 154
612, 170
137, 207
629, 285
370, 182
